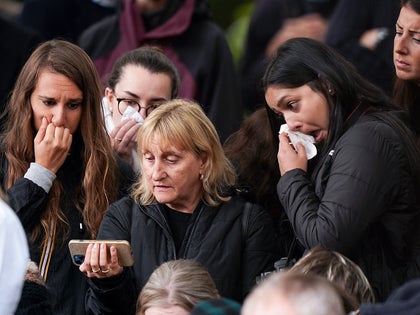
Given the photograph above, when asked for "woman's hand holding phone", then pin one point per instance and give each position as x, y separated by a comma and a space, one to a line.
98, 263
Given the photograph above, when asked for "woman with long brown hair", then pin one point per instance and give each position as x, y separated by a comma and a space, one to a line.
58, 167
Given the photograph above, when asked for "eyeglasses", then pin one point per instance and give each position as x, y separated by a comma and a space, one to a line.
123, 103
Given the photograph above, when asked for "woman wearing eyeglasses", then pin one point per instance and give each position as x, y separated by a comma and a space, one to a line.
140, 81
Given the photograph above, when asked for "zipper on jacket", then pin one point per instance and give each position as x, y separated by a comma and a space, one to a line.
160, 219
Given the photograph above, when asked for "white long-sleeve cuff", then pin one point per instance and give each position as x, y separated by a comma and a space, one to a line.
41, 176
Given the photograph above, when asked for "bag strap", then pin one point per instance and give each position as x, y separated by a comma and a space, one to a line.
47, 251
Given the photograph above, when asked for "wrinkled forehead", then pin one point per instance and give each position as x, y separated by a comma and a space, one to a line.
163, 143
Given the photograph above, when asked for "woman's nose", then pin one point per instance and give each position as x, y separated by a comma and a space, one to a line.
293, 123
158, 171
143, 112
400, 46
58, 116
143, 108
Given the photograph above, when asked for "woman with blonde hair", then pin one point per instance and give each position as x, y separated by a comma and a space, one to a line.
182, 207
176, 286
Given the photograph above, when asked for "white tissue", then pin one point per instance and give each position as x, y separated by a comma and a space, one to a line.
306, 140
130, 112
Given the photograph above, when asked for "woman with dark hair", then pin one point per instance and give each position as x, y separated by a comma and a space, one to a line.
407, 62
57, 163
140, 81
360, 194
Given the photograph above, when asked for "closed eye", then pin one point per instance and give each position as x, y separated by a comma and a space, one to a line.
171, 159
148, 156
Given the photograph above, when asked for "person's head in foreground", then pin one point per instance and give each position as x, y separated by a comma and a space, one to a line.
175, 287
338, 269
284, 293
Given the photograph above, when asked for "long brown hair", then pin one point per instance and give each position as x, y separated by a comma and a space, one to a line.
406, 93
98, 187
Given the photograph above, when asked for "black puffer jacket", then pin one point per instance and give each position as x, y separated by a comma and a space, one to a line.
234, 242
361, 202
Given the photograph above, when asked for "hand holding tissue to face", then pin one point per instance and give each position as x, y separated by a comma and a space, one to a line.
124, 135
306, 140
130, 112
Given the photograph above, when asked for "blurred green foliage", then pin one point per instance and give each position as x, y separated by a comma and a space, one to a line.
233, 16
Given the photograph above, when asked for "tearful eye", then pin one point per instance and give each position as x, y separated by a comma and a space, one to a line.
291, 105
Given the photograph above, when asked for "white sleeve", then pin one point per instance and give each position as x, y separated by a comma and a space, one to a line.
41, 176
14, 257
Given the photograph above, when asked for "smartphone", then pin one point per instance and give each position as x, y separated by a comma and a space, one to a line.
78, 249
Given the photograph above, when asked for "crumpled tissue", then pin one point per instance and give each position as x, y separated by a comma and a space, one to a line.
306, 140
130, 112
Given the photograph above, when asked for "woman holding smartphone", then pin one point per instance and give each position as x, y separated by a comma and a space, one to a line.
182, 207
57, 163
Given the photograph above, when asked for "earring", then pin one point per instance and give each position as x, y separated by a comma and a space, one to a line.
330, 91
201, 177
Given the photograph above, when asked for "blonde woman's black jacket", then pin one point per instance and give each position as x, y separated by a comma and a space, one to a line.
234, 243
362, 201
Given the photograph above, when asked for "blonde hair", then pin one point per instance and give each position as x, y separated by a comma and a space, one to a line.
338, 269
184, 124
178, 282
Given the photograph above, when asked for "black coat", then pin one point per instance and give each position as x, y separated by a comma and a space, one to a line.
67, 284
351, 18
234, 244
361, 202
191, 40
